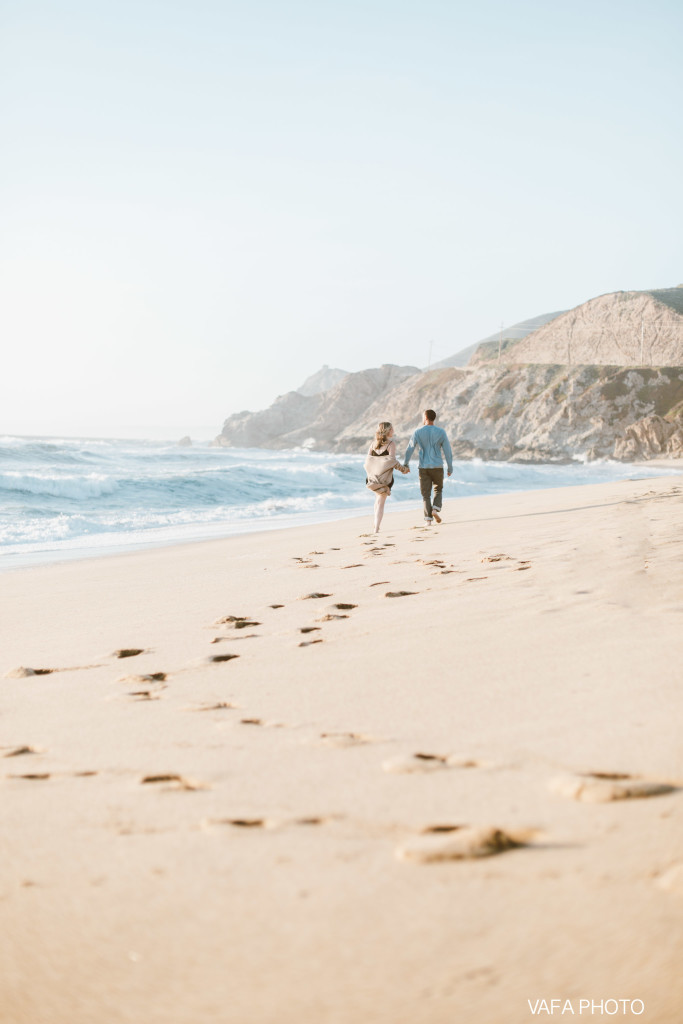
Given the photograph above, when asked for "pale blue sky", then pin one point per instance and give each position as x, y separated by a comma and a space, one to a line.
203, 202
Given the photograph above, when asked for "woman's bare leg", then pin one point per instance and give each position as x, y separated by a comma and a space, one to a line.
379, 510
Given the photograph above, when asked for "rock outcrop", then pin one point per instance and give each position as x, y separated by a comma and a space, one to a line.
312, 421
536, 413
321, 381
602, 380
649, 438
619, 329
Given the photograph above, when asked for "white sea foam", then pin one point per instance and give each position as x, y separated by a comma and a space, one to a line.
60, 497
92, 485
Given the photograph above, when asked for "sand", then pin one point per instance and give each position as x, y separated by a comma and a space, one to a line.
425, 808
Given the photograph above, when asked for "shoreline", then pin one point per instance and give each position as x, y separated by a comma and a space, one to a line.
206, 533
179, 828
128, 547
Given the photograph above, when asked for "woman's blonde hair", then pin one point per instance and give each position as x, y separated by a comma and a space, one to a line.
382, 435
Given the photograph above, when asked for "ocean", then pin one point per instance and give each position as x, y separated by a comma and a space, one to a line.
75, 497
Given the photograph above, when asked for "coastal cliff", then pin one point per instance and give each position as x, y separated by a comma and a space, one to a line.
537, 413
604, 380
618, 329
313, 421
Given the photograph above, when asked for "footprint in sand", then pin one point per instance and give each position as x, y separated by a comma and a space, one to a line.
24, 672
236, 621
309, 629
309, 643
276, 606
461, 843
221, 705
42, 776
156, 679
32, 776
128, 652
315, 596
239, 822
345, 739
214, 659
330, 618
380, 583
23, 750
264, 823
429, 830
261, 723
341, 606
496, 558
430, 763
306, 563
150, 677
604, 787
356, 565
172, 781
400, 593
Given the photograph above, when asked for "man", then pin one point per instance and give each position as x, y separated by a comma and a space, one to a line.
434, 446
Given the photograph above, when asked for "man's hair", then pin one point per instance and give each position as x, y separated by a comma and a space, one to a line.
430, 414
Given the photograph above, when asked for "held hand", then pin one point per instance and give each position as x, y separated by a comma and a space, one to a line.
450, 472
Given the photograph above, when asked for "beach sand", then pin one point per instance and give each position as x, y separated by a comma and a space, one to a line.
460, 799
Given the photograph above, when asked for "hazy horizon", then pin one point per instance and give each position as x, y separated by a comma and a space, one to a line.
202, 206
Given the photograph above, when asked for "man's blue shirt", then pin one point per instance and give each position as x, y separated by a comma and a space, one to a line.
433, 446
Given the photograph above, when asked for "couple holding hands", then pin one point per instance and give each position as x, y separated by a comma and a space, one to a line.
433, 445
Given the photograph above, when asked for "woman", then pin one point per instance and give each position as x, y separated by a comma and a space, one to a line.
380, 464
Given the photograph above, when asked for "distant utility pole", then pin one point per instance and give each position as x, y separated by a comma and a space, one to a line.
500, 340
431, 346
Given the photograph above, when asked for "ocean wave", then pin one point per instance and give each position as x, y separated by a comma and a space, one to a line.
92, 486
71, 494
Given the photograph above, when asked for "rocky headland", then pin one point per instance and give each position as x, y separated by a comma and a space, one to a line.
313, 421
603, 380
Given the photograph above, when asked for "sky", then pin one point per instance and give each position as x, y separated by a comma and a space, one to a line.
204, 201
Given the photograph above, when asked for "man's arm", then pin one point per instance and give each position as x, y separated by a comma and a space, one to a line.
410, 449
447, 452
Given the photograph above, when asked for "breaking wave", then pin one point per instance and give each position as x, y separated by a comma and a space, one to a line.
60, 497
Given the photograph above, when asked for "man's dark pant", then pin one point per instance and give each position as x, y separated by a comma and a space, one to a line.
431, 478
